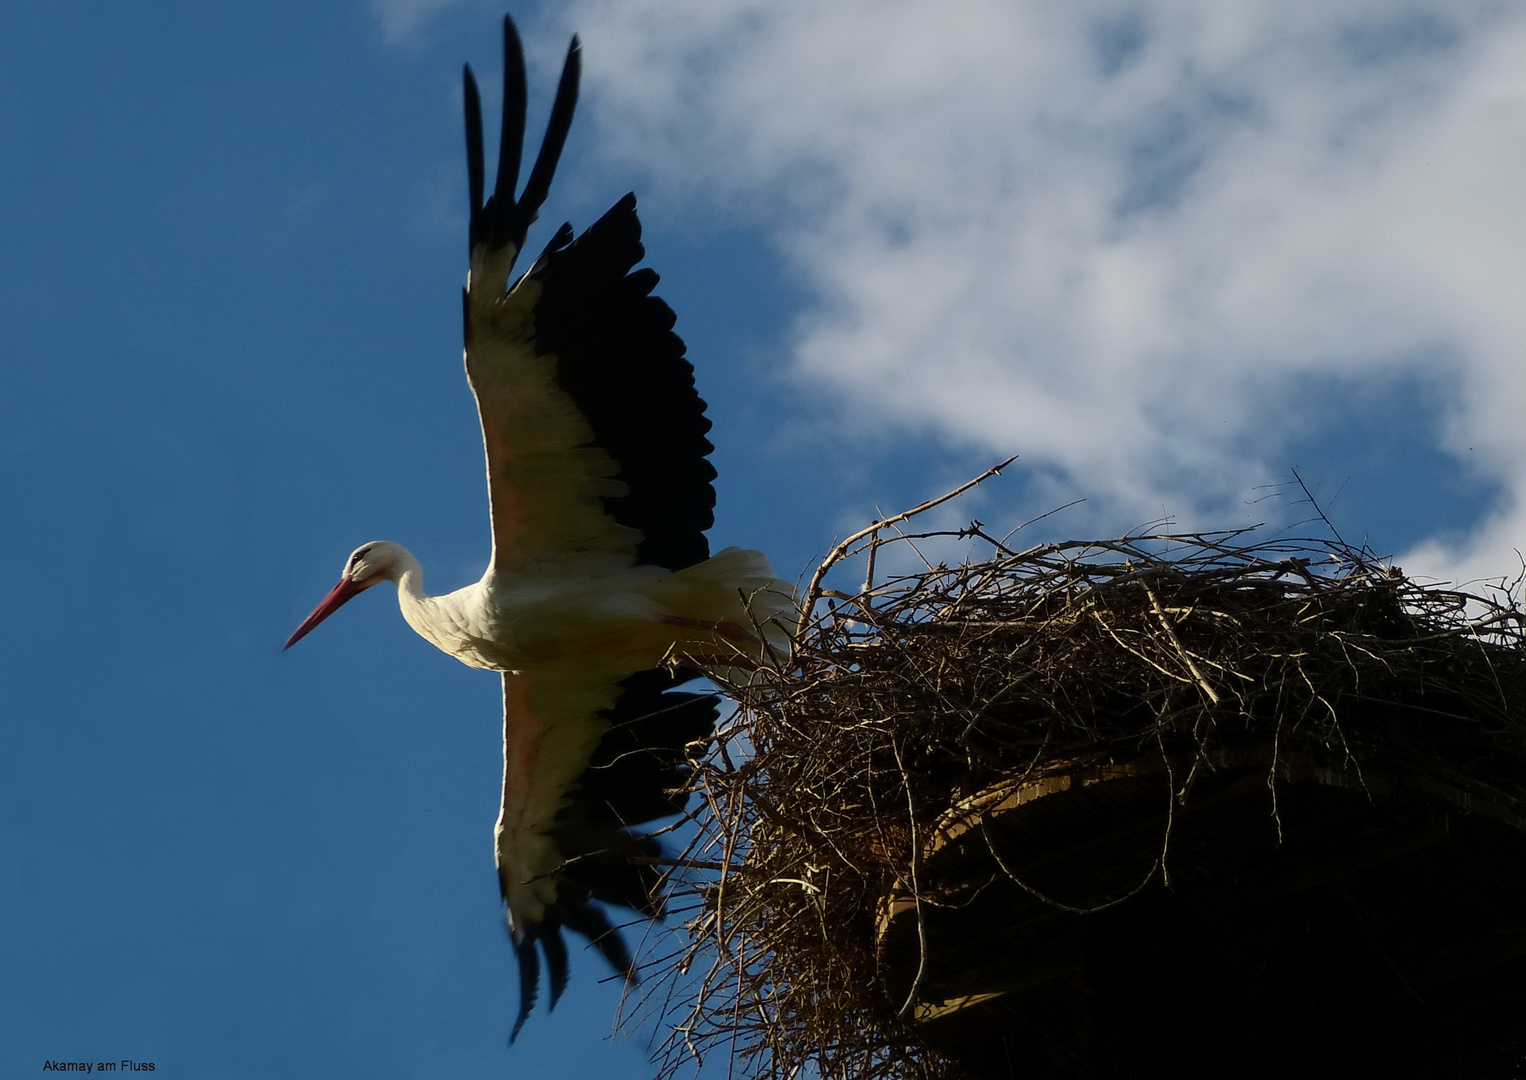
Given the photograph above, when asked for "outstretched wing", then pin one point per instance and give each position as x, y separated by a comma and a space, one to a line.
596, 460
586, 759
593, 431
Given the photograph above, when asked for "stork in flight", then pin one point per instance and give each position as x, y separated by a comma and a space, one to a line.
601, 597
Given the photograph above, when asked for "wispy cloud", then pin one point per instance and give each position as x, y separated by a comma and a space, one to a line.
401, 18
1112, 236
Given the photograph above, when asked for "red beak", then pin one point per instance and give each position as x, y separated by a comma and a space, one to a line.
330, 604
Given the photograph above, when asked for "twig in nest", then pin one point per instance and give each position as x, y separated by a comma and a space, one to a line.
812, 590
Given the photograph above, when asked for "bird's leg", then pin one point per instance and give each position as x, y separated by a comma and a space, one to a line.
727, 629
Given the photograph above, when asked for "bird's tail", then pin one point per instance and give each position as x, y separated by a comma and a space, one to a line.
739, 586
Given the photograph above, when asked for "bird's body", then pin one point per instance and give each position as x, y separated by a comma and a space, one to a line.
601, 598
633, 617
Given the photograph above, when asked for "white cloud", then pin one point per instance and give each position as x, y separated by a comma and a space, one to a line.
1110, 236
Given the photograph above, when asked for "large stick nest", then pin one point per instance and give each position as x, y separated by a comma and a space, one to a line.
930, 686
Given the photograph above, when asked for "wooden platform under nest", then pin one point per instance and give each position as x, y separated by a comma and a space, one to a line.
1367, 923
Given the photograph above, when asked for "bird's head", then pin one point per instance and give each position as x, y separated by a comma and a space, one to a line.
370, 564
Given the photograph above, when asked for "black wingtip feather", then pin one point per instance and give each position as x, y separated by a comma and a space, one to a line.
556, 959
557, 127
516, 98
558, 241
502, 219
474, 155
642, 282
594, 925
529, 977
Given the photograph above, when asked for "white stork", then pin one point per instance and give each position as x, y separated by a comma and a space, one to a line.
601, 596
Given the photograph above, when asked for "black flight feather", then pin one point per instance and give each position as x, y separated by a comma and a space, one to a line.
556, 959
594, 925
556, 136
473, 151
624, 368
516, 98
641, 767
503, 219
529, 976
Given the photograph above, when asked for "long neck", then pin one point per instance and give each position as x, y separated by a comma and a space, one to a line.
409, 575
452, 623
440, 620
410, 579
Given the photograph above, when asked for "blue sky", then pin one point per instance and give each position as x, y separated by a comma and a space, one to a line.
1166, 257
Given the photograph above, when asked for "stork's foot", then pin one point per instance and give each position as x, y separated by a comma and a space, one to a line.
727, 629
